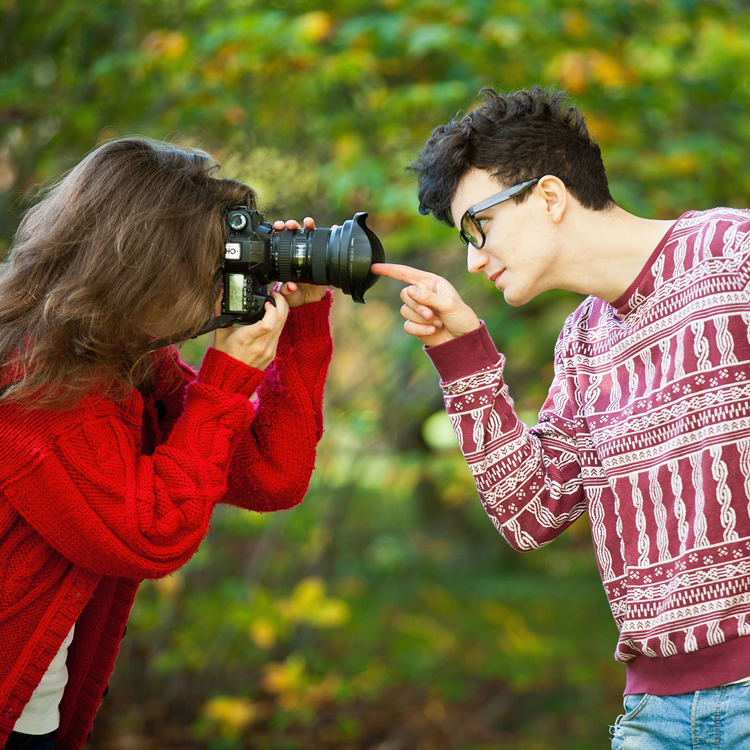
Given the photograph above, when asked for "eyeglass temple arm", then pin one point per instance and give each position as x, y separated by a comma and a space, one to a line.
507, 193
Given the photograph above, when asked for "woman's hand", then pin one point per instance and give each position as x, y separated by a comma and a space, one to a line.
297, 294
255, 345
433, 309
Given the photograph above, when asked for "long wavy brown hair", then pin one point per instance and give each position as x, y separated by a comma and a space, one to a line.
123, 250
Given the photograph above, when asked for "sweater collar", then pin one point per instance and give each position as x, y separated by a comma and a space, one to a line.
645, 282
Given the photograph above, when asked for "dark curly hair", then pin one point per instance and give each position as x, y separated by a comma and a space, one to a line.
514, 137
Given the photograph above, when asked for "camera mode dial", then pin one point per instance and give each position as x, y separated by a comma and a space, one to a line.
237, 222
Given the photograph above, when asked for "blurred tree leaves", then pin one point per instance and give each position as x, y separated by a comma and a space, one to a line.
385, 611
347, 91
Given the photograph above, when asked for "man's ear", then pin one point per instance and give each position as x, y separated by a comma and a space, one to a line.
554, 193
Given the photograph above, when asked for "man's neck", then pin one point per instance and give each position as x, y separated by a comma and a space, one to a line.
608, 249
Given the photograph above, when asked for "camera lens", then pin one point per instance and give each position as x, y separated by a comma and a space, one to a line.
339, 257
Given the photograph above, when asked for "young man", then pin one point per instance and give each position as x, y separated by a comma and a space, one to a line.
647, 422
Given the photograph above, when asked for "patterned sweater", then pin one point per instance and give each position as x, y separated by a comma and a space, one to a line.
646, 427
94, 499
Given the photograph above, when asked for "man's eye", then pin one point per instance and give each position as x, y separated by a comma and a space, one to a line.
481, 222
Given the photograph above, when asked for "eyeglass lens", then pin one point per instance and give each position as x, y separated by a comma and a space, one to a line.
470, 232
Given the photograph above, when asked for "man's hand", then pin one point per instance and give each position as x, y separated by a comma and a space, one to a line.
297, 294
255, 345
433, 309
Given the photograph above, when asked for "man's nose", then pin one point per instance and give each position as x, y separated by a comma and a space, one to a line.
477, 259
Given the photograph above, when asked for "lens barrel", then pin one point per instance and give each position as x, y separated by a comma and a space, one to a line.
339, 257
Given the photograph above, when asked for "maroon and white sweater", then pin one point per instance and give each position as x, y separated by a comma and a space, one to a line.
646, 427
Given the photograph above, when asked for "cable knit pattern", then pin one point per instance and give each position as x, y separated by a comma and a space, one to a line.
646, 427
94, 499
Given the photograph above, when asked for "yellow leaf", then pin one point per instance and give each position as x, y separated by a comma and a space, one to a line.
330, 613
681, 164
171, 44
232, 714
306, 595
264, 633
324, 691
286, 677
347, 148
309, 604
574, 72
603, 130
315, 27
576, 25
171, 585
608, 71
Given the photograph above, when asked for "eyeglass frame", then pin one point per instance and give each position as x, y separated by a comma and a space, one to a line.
494, 200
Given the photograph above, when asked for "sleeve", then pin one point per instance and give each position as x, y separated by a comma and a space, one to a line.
173, 377
81, 480
529, 479
273, 463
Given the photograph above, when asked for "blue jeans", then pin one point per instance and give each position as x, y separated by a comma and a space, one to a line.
714, 719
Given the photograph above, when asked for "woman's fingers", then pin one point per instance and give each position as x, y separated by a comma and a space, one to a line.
255, 344
307, 223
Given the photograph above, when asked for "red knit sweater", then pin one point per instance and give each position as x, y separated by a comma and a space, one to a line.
94, 499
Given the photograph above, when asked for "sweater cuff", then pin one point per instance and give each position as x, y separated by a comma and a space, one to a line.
309, 321
465, 355
229, 374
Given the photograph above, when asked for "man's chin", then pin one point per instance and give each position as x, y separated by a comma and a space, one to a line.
514, 300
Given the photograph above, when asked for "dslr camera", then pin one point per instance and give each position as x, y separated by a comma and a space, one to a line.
256, 254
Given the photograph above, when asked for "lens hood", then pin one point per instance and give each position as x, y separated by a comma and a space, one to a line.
352, 249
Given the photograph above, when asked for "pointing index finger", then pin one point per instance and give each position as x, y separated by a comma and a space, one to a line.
399, 272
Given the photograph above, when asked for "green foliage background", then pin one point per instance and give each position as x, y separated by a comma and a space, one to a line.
385, 612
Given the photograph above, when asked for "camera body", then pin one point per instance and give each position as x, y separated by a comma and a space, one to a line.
256, 254
247, 265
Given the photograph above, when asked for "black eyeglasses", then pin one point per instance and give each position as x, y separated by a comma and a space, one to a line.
471, 230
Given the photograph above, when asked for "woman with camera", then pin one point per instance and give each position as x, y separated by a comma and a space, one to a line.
113, 456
